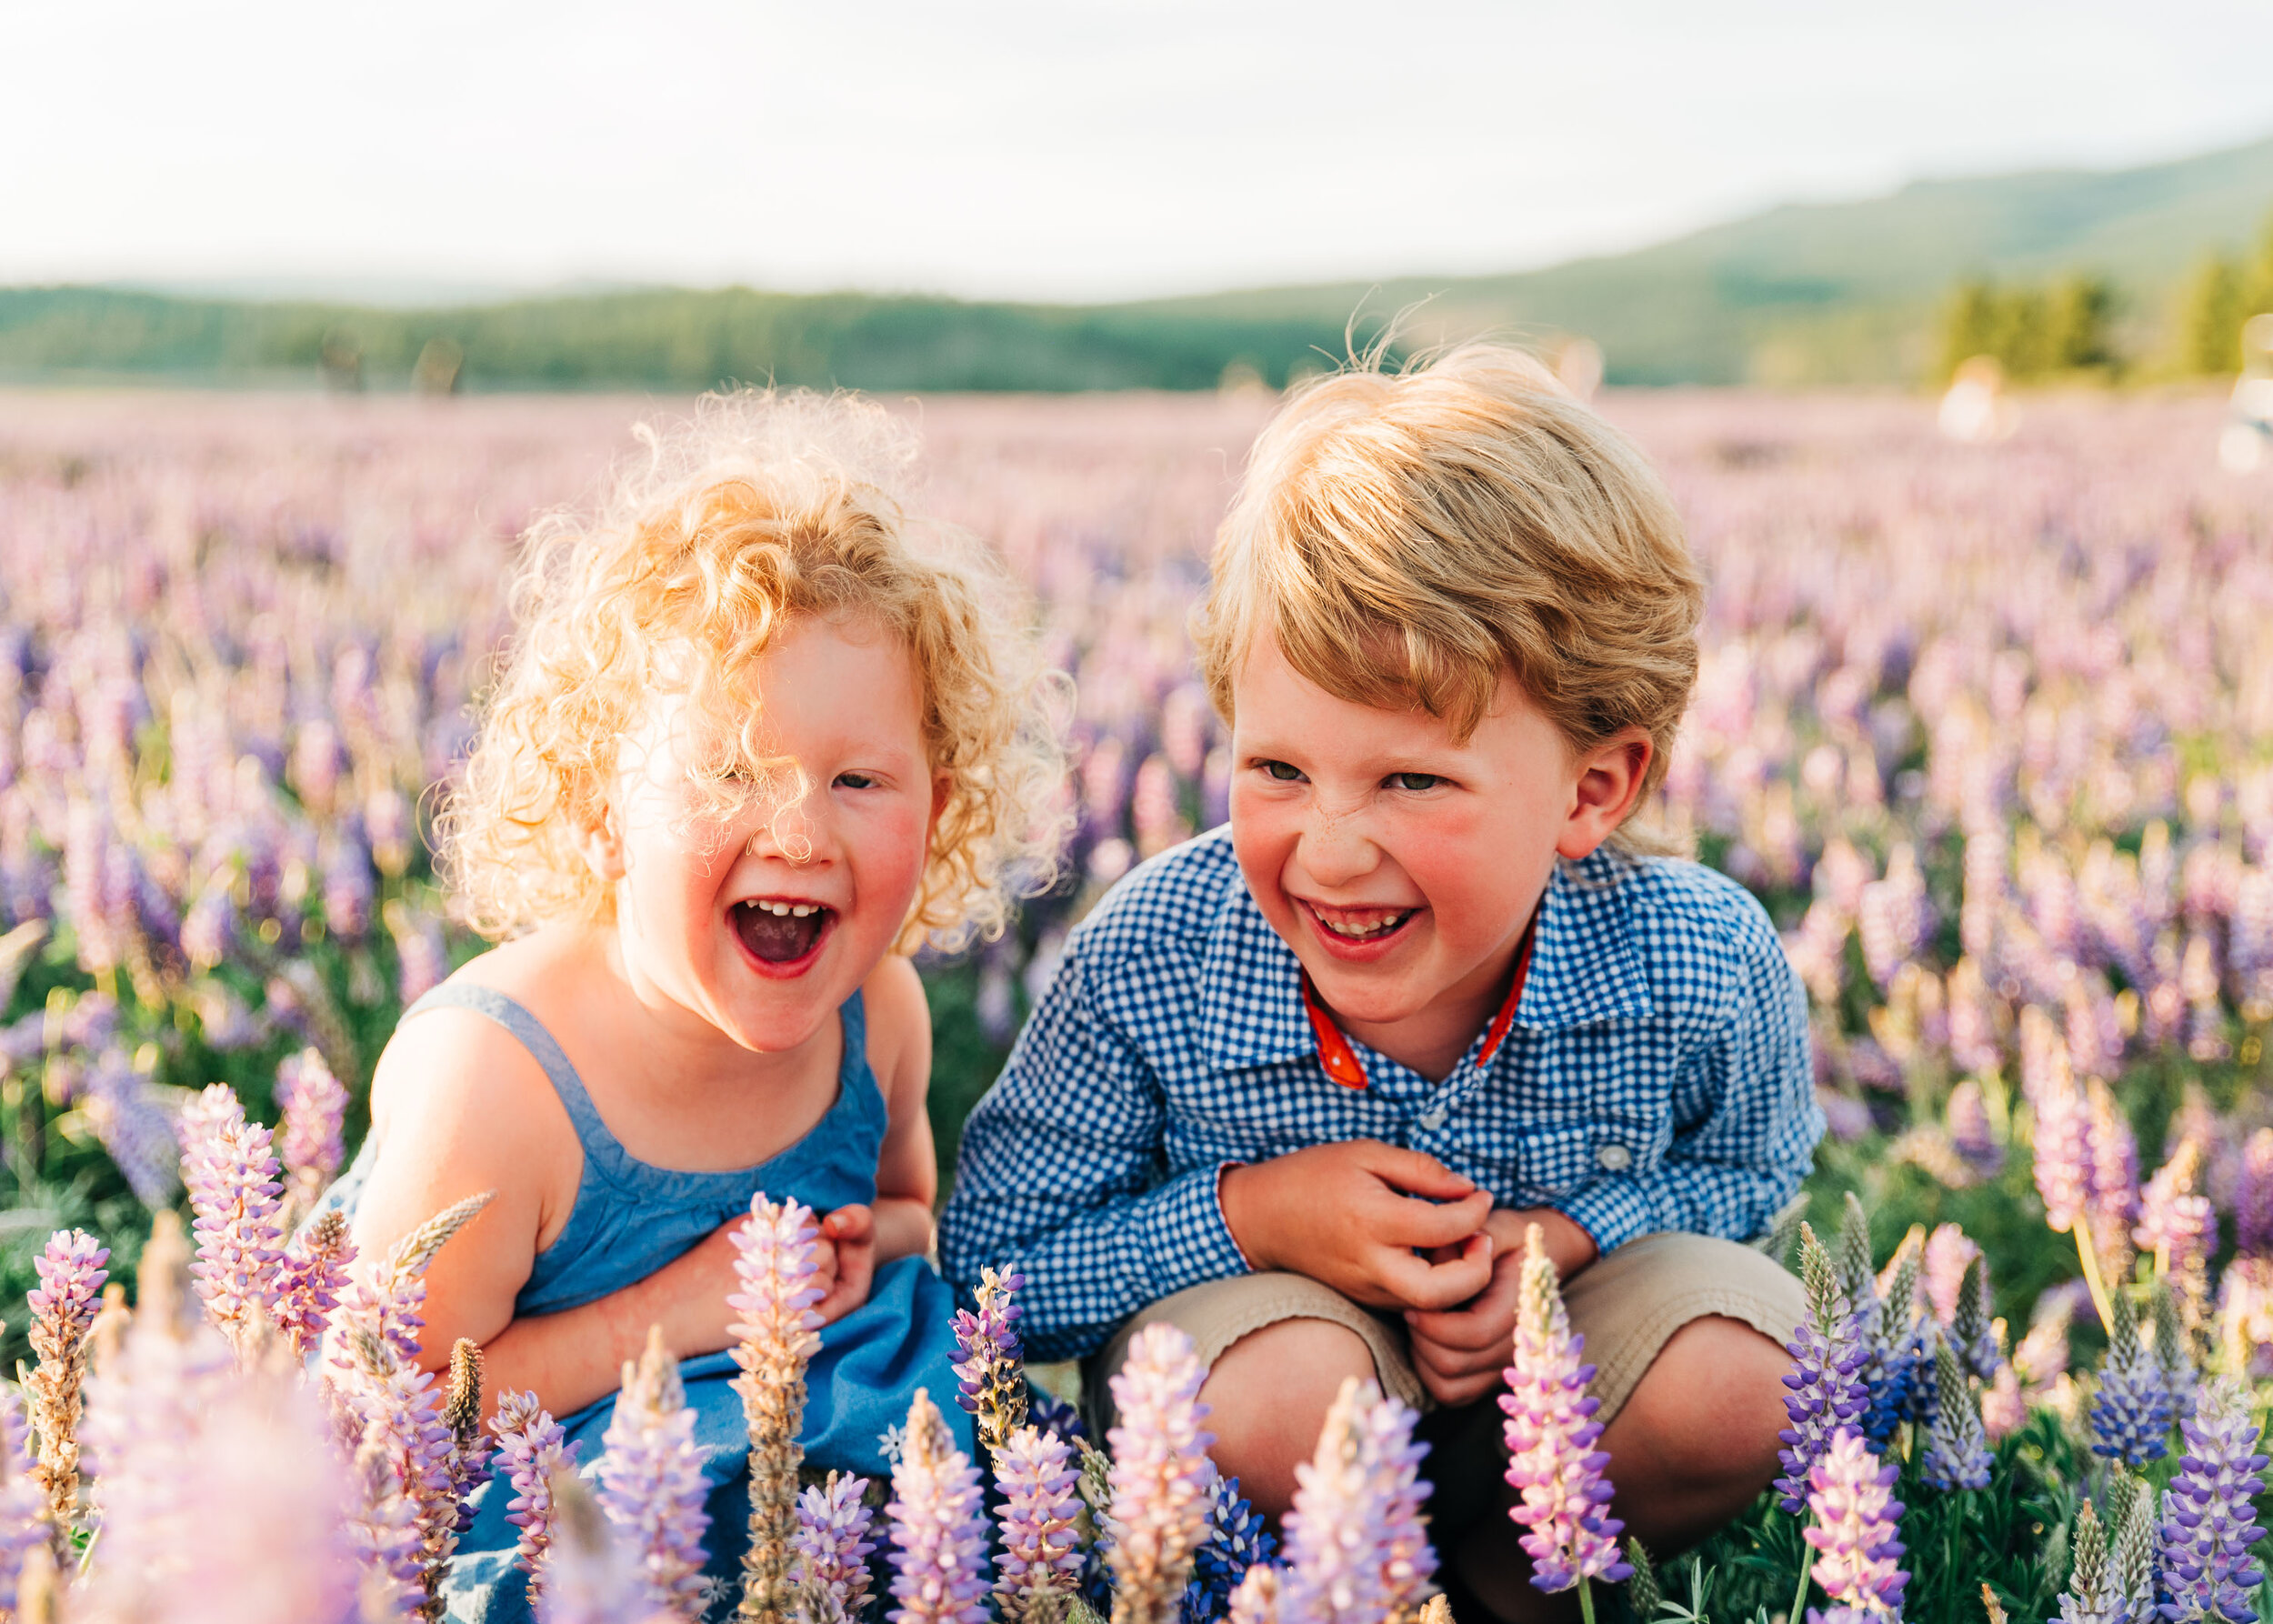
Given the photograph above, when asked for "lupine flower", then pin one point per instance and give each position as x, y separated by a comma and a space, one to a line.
1238, 1539
2004, 1411
2253, 1196
938, 1532
2209, 1522
2174, 1222
462, 1414
316, 1271
991, 1376
314, 1105
231, 1171
1160, 1475
134, 1129
1973, 1326
1355, 1545
1825, 1384
2093, 1595
1968, 1121
24, 1500
2063, 1162
1957, 1454
2174, 1353
589, 1576
1950, 1252
651, 1481
776, 1265
2114, 1179
1254, 1599
1053, 1415
64, 1304
1553, 1465
2130, 1414
2132, 1507
1855, 1531
832, 1548
2245, 1315
1041, 1560
531, 1451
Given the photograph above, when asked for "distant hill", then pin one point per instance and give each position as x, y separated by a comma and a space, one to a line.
1814, 293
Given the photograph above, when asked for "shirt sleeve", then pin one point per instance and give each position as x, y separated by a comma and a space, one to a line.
1063, 1177
1746, 1120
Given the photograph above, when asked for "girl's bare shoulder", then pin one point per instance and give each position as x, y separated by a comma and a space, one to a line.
458, 1104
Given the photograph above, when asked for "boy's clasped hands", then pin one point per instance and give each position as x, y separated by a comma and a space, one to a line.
1396, 1229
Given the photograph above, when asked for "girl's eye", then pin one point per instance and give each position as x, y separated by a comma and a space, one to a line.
1414, 780
1281, 771
856, 780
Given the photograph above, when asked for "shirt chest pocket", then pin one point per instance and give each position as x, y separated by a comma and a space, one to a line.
1552, 1160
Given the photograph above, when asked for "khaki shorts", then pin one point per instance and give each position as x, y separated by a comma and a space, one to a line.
1626, 1305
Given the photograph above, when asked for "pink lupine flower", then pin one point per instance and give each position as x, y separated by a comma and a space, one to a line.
1041, 1557
1552, 1463
777, 1264
1355, 1546
2064, 1160
939, 1531
1856, 1528
652, 1484
317, 1268
1949, 1251
531, 1451
315, 1106
2176, 1223
1161, 1476
63, 1305
232, 1171
2253, 1196
23, 1499
833, 1544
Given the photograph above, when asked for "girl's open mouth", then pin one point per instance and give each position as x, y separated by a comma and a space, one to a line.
782, 936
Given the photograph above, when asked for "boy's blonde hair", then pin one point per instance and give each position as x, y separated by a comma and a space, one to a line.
767, 508
1408, 536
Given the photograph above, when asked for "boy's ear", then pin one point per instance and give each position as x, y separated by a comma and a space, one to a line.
602, 851
1609, 785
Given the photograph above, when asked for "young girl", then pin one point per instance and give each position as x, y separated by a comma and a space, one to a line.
751, 748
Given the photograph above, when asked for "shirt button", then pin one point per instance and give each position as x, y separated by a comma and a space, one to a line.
1432, 1121
1614, 1159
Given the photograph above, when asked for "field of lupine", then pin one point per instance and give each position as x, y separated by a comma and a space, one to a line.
1990, 729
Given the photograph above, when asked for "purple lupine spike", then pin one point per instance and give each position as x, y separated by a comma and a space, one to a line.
23, 1501
1552, 1463
651, 1481
939, 1531
1826, 1389
776, 1264
2130, 1413
134, 1129
315, 1106
833, 1543
2208, 1519
2094, 1593
1161, 1475
1957, 1449
2253, 1196
231, 1172
531, 1449
317, 1266
1856, 1527
63, 1305
1357, 1548
1041, 1555
991, 1376
590, 1576
2114, 1170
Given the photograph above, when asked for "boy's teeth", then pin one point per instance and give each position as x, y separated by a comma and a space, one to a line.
1358, 931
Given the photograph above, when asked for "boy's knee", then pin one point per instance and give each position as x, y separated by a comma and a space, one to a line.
1707, 1410
1268, 1395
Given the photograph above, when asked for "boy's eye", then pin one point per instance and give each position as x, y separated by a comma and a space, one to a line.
1281, 771
1414, 780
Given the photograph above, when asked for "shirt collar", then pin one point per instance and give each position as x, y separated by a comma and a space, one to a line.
1583, 969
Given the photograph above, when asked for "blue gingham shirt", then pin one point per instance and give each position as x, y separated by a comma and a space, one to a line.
1657, 1076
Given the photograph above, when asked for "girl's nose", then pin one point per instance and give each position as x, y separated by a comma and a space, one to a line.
795, 829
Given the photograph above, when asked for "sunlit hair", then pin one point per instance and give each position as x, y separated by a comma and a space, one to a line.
767, 508
1408, 536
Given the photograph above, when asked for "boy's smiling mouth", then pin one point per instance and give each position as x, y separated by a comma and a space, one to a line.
1356, 927
782, 933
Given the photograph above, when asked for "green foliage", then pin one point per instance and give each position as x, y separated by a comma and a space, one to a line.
2222, 294
2033, 332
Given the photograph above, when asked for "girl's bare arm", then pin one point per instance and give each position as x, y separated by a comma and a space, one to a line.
907, 1166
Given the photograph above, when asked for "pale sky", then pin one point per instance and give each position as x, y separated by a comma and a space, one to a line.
1068, 149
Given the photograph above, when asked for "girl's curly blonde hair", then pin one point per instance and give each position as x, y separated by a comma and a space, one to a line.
768, 508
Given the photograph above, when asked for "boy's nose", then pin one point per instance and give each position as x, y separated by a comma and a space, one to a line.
1336, 847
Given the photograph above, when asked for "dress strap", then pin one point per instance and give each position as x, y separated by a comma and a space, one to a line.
544, 1048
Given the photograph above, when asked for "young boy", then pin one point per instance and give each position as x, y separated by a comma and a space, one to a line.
1299, 1086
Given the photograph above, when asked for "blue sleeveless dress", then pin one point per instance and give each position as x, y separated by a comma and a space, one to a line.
630, 1220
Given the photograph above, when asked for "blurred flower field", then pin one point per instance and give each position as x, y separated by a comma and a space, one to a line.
1989, 729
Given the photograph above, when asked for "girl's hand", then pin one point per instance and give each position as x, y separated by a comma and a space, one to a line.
848, 1260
